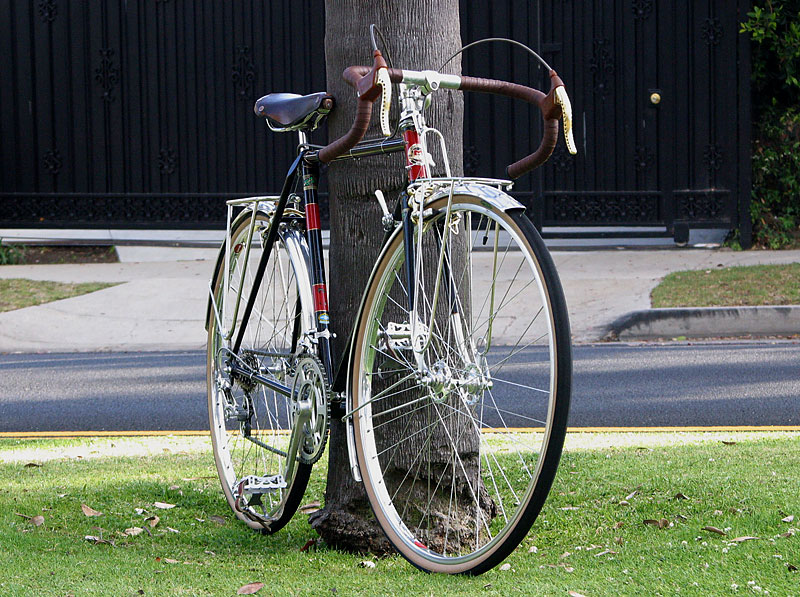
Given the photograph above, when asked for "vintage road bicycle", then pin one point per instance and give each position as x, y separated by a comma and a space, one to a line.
455, 385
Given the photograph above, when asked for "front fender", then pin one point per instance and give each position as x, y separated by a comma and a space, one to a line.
490, 195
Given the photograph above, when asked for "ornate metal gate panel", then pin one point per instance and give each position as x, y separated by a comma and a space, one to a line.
661, 96
139, 114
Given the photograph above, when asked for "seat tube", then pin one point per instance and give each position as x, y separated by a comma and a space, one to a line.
318, 285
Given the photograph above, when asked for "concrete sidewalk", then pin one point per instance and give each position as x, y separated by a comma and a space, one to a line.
160, 300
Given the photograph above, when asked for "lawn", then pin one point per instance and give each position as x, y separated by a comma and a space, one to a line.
630, 514
730, 287
17, 294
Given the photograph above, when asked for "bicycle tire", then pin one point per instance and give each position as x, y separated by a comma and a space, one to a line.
272, 326
416, 469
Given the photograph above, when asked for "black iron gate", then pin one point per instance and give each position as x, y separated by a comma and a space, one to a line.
138, 114
661, 98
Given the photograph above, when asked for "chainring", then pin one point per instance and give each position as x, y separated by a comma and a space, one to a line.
311, 383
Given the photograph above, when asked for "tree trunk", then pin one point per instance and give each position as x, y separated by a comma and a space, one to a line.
420, 34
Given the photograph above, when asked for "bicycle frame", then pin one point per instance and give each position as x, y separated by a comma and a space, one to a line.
306, 167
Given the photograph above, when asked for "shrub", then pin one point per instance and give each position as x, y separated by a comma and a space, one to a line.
9, 254
774, 27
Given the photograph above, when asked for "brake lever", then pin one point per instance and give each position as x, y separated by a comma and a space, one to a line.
562, 99
385, 83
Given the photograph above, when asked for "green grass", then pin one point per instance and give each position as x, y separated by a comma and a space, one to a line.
730, 287
17, 294
747, 487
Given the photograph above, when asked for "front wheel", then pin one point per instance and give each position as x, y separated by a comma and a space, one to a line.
460, 405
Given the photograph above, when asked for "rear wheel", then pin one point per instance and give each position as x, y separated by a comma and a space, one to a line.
461, 408
250, 423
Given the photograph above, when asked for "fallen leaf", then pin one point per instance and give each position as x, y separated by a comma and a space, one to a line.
152, 521
789, 518
570, 508
619, 525
309, 544
174, 487
163, 505
249, 589
170, 561
624, 503
366, 564
715, 530
33, 465
533, 549
791, 567
743, 539
217, 519
734, 510
90, 511
717, 512
140, 511
662, 523
26, 517
619, 540
505, 567
728, 443
37, 521
680, 496
574, 594
487, 586
632, 494
171, 530
787, 534
607, 552
133, 531
209, 552
310, 508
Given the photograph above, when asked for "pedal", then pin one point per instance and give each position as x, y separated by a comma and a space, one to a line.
254, 485
397, 336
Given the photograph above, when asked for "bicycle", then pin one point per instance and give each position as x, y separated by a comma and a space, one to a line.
456, 382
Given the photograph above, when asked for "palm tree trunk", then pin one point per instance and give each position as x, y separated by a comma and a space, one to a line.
420, 34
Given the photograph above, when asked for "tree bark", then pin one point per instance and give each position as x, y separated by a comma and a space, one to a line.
420, 35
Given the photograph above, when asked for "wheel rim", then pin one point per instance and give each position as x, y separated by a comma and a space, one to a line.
499, 502
250, 433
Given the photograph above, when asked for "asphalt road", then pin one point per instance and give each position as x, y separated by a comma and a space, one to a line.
615, 385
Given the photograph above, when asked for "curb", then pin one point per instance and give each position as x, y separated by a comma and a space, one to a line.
709, 322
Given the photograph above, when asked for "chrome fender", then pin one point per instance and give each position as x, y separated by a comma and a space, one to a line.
300, 256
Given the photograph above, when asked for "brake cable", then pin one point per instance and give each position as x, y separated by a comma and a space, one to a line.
511, 41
